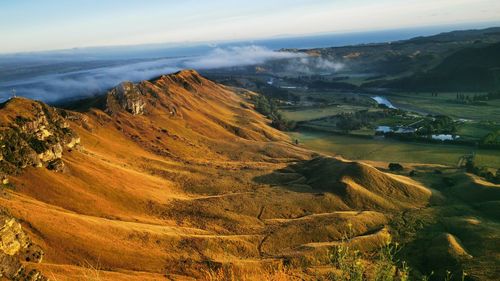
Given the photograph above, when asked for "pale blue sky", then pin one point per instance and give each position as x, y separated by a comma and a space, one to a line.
33, 25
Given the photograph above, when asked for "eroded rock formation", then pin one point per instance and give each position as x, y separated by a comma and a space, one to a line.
32, 134
15, 248
126, 96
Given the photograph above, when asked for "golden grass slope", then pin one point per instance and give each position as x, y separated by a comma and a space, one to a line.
195, 181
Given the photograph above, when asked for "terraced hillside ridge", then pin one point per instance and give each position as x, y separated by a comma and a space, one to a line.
179, 176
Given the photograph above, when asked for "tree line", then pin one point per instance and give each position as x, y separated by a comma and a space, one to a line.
269, 108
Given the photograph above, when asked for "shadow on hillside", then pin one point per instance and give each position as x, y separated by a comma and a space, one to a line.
83, 104
359, 186
307, 176
455, 232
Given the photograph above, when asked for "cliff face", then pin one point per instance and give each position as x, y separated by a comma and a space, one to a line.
33, 134
16, 247
126, 96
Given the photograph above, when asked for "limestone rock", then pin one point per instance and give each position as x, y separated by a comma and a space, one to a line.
32, 134
15, 248
126, 96
12, 239
56, 165
73, 142
51, 153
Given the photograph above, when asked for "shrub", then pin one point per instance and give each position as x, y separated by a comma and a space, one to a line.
269, 108
347, 260
395, 167
38, 145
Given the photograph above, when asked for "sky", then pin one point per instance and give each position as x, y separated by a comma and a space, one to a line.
34, 25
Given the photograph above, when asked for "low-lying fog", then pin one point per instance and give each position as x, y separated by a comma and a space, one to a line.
57, 76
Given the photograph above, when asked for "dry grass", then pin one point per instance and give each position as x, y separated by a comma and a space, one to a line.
231, 273
91, 272
158, 194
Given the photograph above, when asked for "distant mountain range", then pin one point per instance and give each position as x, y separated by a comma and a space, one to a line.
469, 69
466, 60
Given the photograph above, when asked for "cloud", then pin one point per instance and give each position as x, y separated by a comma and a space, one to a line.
92, 81
313, 65
238, 56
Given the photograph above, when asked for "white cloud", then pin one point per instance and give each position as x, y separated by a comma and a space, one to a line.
238, 56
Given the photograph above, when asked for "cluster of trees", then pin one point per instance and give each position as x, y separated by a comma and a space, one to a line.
314, 77
484, 172
279, 93
350, 121
440, 124
395, 167
347, 122
275, 92
492, 138
318, 100
478, 97
354, 121
329, 85
320, 82
265, 105
269, 108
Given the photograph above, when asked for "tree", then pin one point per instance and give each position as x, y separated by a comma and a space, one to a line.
470, 166
492, 138
348, 122
269, 108
395, 167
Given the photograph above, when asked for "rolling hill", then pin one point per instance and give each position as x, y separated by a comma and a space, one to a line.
469, 69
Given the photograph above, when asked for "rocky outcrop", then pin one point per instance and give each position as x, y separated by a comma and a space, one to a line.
15, 248
32, 134
140, 98
126, 96
56, 165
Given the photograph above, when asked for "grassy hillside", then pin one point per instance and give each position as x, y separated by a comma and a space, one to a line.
404, 57
470, 69
180, 178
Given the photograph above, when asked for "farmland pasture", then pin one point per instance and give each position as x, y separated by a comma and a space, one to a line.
356, 148
310, 113
445, 103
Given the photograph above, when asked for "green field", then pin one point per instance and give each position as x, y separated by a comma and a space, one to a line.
318, 135
392, 150
443, 104
476, 131
310, 113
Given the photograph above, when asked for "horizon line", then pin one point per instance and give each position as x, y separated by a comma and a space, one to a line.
454, 26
